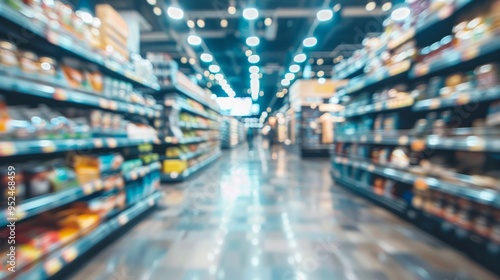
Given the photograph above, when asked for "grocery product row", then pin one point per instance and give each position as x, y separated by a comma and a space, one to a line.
419, 129
233, 133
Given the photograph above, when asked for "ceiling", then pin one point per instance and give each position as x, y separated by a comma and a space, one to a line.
292, 21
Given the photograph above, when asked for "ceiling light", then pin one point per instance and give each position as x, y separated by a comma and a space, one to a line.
199, 76
285, 82
400, 13
320, 61
324, 15
370, 6
268, 21
152, 2
249, 91
157, 11
253, 41
250, 13
213, 96
387, 6
254, 76
231, 10
321, 73
321, 81
209, 84
290, 76
310, 42
211, 77
184, 60
300, 58
214, 68
223, 23
206, 73
248, 52
206, 57
269, 110
261, 93
253, 58
200, 23
192, 61
337, 7
194, 40
191, 24
175, 13
260, 75
294, 68
219, 76
254, 69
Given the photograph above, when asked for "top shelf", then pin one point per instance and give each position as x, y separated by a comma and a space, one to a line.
52, 38
191, 95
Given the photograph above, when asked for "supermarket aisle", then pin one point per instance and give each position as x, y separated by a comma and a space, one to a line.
257, 216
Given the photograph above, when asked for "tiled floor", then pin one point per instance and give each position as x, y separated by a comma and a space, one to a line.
257, 215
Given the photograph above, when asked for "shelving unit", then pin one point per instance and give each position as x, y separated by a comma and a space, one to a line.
232, 133
429, 150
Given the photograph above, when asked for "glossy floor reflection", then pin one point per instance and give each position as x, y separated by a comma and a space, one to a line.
257, 215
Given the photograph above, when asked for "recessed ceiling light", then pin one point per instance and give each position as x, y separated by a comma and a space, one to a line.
253, 58
175, 13
337, 7
310, 42
206, 57
200, 23
321, 81
300, 58
211, 77
249, 91
192, 61
231, 10
250, 13
157, 11
261, 93
253, 41
213, 96
400, 13
294, 68
290, 76
152, 2
285, 82
223, 23
387, 6
184, 60
206, 73
248, 52
324, 15
209, 84
194, 40
370, 6
254, 76
222, 82
268, 21
320, 61
191, 24
321, 73
254, 69
199, 76
214, 68
219, 77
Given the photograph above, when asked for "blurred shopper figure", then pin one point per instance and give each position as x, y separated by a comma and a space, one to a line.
250, 137
271, 136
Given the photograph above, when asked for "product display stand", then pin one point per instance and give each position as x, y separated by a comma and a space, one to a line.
232, 133
420, 135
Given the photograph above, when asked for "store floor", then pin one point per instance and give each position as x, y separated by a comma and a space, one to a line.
253, 215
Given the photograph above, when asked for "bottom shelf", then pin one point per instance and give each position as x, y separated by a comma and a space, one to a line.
53, 264
176, 177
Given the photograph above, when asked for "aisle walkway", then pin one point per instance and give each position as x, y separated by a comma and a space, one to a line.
253, 216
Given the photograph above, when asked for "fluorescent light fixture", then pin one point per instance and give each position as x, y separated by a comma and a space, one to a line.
285, 82
294, 68
324, 15
175, 12
268, 21
310, 42
194, 40
157, 11
191, 24
290, 76
200, 23
400, 13
206, 57
214, 68
219, 77
253, 41
387, 6
254, 76
250, 13
300, 58
223, 23
231, 10
254, 58
248, 52
370, 6
254, 69
321, 81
